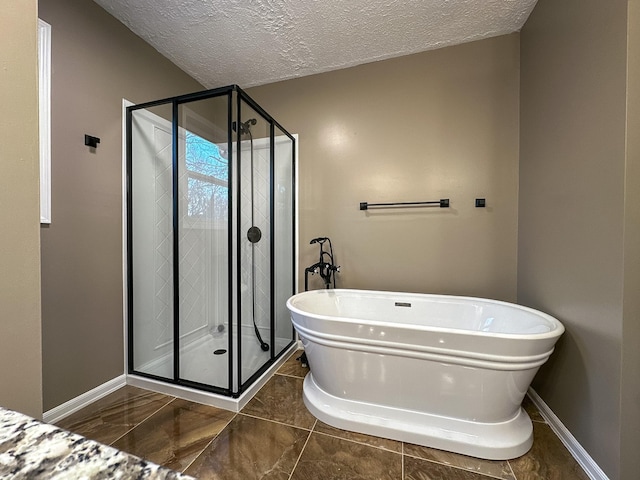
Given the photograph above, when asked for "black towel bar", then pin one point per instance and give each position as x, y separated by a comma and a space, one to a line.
442, 203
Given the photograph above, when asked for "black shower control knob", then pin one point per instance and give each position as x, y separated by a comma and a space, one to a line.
254, 234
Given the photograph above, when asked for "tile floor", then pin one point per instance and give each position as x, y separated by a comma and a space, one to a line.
275, 437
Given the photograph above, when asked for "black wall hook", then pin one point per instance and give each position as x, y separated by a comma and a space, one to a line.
91, 141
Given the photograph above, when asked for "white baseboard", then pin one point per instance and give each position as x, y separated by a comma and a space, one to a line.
75, 404
591, 468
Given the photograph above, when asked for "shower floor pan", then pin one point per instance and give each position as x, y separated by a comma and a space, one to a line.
214, 371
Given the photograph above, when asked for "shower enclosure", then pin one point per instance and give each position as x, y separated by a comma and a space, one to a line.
210, 240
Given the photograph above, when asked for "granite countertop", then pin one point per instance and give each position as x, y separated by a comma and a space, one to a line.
30, 449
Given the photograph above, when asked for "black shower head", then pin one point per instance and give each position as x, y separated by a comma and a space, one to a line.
245, 127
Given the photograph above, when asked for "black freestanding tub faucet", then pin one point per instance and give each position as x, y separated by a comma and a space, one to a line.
324, 267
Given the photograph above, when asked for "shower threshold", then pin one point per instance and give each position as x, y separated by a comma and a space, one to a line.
207, 398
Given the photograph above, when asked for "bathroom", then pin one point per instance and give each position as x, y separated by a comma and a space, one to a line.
523, 120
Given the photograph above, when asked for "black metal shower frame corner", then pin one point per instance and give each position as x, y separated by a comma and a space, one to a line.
230, 241
294, 220
129, 240
238, 286
175, 180
272, 229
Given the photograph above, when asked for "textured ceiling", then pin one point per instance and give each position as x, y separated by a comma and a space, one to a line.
253, 42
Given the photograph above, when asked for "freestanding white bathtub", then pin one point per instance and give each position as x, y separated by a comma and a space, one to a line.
435, 370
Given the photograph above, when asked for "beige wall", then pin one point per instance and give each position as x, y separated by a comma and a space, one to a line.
20, 331
630, 395
572, 216
96, 62
440, 124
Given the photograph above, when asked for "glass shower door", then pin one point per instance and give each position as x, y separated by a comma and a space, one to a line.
254, 241
151, 244
284, 241
203, 243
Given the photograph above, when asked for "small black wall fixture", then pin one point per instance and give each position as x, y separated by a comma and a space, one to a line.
91, 141
481, 202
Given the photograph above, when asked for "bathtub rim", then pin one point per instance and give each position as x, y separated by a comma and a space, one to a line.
556, 332
420, 352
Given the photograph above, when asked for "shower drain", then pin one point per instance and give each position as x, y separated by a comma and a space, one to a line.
220, 351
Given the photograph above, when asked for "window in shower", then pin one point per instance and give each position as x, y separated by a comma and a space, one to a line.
207, 180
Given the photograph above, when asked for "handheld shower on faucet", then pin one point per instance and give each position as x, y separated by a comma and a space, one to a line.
324, 267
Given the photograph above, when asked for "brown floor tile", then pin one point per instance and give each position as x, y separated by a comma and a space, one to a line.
333, 458
377, 442
498, 469
114, 415
176, 434
532, 410
416, 469
548, 459
280, 399
293, 367
250, 448
173, 432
